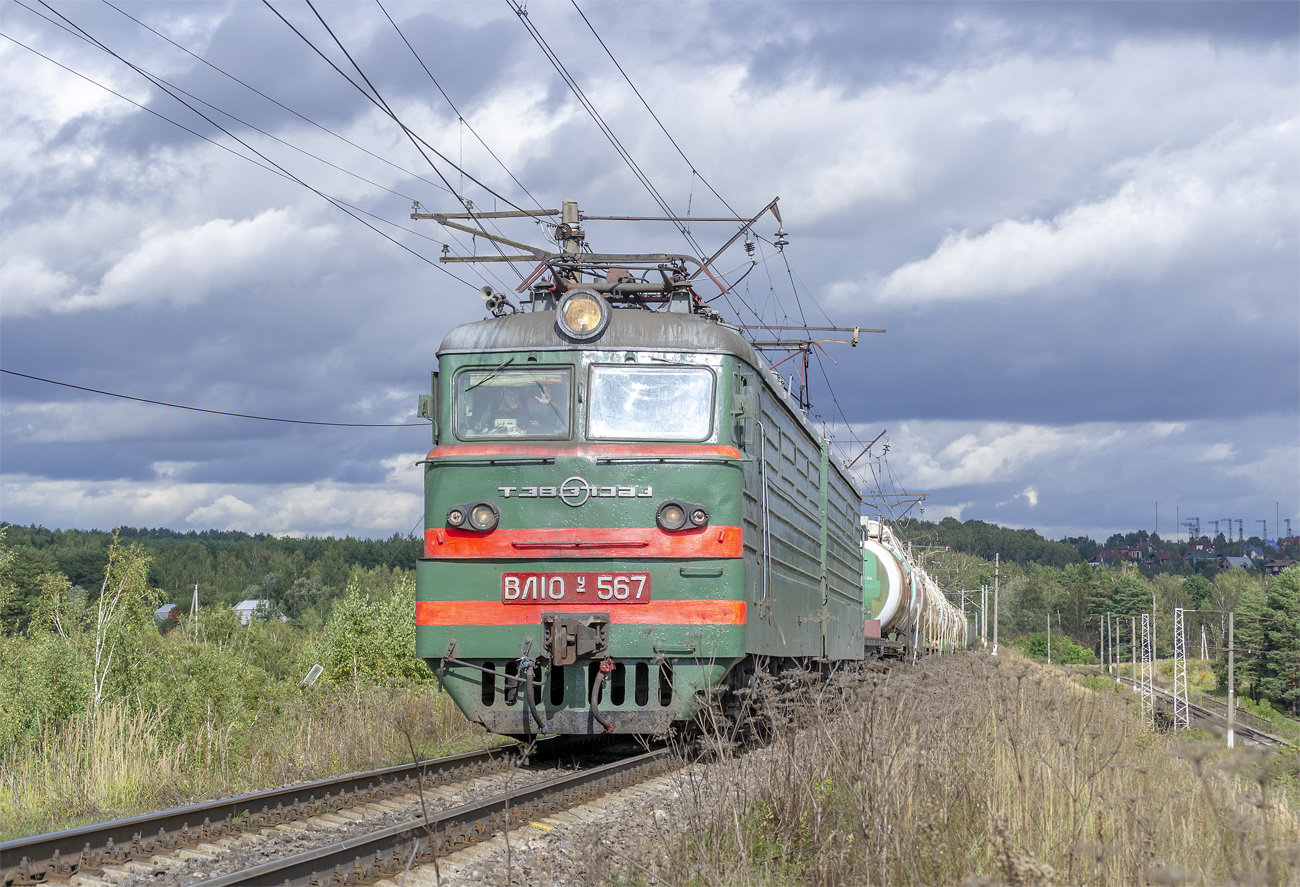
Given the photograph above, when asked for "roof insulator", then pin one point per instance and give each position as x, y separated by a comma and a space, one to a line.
781, 240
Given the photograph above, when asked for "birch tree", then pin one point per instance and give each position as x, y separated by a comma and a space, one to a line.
125, 600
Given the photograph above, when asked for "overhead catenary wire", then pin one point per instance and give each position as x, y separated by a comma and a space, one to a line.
278, 167
281, 105
179, 406
453, 107
378, 100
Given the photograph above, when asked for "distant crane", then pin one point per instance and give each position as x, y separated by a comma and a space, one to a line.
1264, 535
1241, 530
1228, 521
1193, 525
1216, 527
1288, 526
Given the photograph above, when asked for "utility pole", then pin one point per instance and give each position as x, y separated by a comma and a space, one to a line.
1102, 649
997, 567
984, 615
1133, 648
1049, 638
194, 612
1114, 647
1232, 689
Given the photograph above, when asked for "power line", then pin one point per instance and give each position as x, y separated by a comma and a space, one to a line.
285, 172
453, 107
178, 406
646, 104
378, 100
278, 104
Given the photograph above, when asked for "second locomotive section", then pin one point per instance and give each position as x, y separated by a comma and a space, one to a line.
608, 534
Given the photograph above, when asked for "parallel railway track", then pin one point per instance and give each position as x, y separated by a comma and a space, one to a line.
87, 849
1243, 731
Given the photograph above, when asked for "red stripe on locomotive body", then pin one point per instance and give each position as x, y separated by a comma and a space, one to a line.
589, 451
652, 613
567, 542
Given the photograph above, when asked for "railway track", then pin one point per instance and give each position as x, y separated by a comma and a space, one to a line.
126, 846
1243, 731
388, 852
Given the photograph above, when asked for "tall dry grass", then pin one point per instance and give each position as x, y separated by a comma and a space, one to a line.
113, 762
979, 770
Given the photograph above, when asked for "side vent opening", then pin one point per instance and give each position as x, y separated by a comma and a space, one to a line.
618, 685
642, 680
489, 689
512, 687
665, 684
557, 685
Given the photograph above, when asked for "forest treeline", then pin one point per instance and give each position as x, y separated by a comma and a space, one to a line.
302, 577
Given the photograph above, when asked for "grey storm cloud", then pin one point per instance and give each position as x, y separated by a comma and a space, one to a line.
1077, 222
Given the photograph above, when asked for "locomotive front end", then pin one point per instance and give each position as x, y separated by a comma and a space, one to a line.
582, 568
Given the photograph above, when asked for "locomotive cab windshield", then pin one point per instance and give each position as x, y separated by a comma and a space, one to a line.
515, 403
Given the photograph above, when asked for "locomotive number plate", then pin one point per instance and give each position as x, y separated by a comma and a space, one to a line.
575, 588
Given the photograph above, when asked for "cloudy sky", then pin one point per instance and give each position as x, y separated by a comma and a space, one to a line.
1079, 223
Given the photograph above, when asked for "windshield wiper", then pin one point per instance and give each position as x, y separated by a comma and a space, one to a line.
491, 375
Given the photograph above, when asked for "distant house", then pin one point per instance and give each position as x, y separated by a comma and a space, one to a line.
167, 611
1161, 557
250, 608
1255, 551
1277, 565
1244, 563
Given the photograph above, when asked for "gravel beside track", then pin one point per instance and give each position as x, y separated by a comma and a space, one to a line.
236, 853
620, 835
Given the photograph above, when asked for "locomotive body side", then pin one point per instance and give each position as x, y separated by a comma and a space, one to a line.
582, 593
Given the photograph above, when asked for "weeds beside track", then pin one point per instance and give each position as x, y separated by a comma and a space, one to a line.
980, 770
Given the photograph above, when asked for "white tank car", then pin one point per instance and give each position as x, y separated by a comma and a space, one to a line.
909, 613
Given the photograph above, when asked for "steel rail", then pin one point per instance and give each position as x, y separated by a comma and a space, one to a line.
31, 859
389, 851
1244, 731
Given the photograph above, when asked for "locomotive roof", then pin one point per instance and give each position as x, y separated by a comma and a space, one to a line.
628, 329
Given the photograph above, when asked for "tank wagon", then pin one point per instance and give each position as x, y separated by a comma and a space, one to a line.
909, 614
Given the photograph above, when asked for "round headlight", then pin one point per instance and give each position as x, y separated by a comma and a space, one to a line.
582, 314
455, 517
483, 516
671, 516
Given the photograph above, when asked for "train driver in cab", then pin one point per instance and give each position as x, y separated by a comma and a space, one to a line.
525, 410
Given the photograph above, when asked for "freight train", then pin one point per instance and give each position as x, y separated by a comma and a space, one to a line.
625, 509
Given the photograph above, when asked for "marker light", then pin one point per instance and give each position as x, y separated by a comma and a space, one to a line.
674, 515
456, 516
483, 516
582, 314
671, 516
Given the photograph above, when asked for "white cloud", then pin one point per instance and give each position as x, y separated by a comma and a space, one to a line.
26, 285
309, 509
183, 266
1233, 192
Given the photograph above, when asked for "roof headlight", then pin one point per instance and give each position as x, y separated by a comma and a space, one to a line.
582, 314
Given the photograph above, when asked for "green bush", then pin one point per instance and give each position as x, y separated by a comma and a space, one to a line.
1064, 650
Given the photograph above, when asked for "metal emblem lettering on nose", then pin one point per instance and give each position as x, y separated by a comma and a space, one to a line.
575, 491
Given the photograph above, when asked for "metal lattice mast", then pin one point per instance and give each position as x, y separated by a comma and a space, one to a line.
1147, 691
1181, 717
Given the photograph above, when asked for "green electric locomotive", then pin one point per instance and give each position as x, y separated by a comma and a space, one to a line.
624, 508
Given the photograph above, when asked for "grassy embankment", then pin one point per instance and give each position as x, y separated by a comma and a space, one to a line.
212, 710
975, 770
